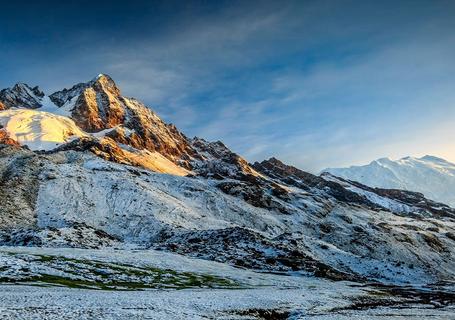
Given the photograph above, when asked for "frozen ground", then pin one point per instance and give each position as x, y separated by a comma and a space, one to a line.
25, 302
29, 290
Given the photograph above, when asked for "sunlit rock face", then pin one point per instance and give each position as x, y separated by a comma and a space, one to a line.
98, 105
6, 139
108, 149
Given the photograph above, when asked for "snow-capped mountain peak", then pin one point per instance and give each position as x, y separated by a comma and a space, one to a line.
430, 175
97, 107
436, 160
101, 75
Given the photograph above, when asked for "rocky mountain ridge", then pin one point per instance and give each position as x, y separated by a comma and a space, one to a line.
21, 96
106, 187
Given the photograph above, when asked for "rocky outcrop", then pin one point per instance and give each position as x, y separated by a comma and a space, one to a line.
415, 199
105, 148
19, 169
292, 176
215, 160
258, 193
6, 139
109, 150
246, 249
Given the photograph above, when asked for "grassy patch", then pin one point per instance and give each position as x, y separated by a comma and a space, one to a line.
90, 274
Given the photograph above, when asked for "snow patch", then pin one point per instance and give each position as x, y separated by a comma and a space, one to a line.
38, 130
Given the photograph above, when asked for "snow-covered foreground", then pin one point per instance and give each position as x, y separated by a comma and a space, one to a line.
247, 295
25, 302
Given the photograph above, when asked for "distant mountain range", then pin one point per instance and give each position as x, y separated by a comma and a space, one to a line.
432, 176
88, 167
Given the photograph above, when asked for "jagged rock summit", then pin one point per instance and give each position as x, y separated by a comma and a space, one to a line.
87, 167
98, 105
21, 96
99, 110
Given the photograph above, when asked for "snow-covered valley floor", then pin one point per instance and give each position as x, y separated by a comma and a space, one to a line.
25, 302
50, 283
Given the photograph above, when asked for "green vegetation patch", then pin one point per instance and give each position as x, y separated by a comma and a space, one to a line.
91, 274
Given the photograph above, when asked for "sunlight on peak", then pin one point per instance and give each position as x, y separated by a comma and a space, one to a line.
38, 130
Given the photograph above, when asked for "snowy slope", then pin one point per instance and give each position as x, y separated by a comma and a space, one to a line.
432, 176
80, 200
136, 207
37, 129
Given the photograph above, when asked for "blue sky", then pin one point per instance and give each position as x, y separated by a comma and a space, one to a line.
315, 83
